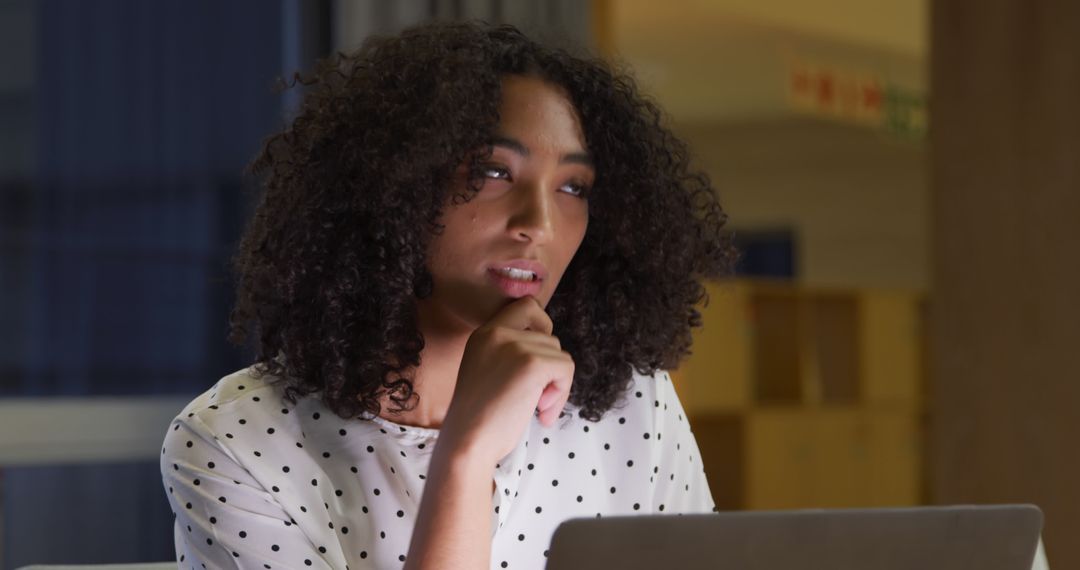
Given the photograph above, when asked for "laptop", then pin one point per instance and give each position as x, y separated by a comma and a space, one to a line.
993, 537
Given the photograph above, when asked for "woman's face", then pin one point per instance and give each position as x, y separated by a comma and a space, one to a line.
528, 208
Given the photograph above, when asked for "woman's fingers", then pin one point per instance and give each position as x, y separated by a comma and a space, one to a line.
548, 396
555, 394
523, 314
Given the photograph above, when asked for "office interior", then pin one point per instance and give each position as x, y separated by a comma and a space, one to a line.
900, 175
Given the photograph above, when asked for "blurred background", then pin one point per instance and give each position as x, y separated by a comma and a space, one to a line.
901, 176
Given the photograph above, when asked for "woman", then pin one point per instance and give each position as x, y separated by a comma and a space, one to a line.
474, 260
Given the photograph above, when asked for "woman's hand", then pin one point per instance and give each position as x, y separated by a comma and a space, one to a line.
511, 367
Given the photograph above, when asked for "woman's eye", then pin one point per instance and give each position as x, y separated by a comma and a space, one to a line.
577, 189
499, 172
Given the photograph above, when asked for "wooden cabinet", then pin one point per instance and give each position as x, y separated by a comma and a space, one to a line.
804, 398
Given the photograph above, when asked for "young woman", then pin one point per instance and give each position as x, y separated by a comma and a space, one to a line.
474, 261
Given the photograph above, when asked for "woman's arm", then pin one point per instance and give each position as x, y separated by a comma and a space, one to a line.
225, 519
512, 367
453, 526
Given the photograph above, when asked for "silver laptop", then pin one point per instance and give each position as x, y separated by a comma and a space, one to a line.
997, 537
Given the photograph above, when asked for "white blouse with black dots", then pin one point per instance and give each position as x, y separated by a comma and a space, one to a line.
256, 482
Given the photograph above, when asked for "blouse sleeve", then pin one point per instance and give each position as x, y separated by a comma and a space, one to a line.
223, 517
681, 486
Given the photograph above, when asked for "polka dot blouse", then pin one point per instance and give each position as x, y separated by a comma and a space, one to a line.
256, 482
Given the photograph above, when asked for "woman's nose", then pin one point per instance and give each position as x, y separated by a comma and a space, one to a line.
533, 212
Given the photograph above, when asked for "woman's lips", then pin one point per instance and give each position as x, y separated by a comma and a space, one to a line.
514, 287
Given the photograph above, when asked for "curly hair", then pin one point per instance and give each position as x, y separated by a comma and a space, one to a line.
331, 263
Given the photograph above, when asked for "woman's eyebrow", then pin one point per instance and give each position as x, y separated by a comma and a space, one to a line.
516, 146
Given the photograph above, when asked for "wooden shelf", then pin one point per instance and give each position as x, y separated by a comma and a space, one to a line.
802, 397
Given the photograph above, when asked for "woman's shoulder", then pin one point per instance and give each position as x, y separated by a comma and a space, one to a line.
243, 414
648, 392
639, 404
244, 388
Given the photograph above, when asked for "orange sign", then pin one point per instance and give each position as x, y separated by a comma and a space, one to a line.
859, 97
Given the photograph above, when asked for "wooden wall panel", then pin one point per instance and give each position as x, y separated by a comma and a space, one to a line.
1005, 305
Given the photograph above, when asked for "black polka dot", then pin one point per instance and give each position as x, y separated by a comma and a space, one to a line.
521, 537
269, 430
275, 548
243, 534
213, 520
400, 514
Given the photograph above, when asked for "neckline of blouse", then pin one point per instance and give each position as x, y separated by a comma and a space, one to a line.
404, 430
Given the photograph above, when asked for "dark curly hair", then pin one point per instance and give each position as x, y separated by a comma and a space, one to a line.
328, 268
